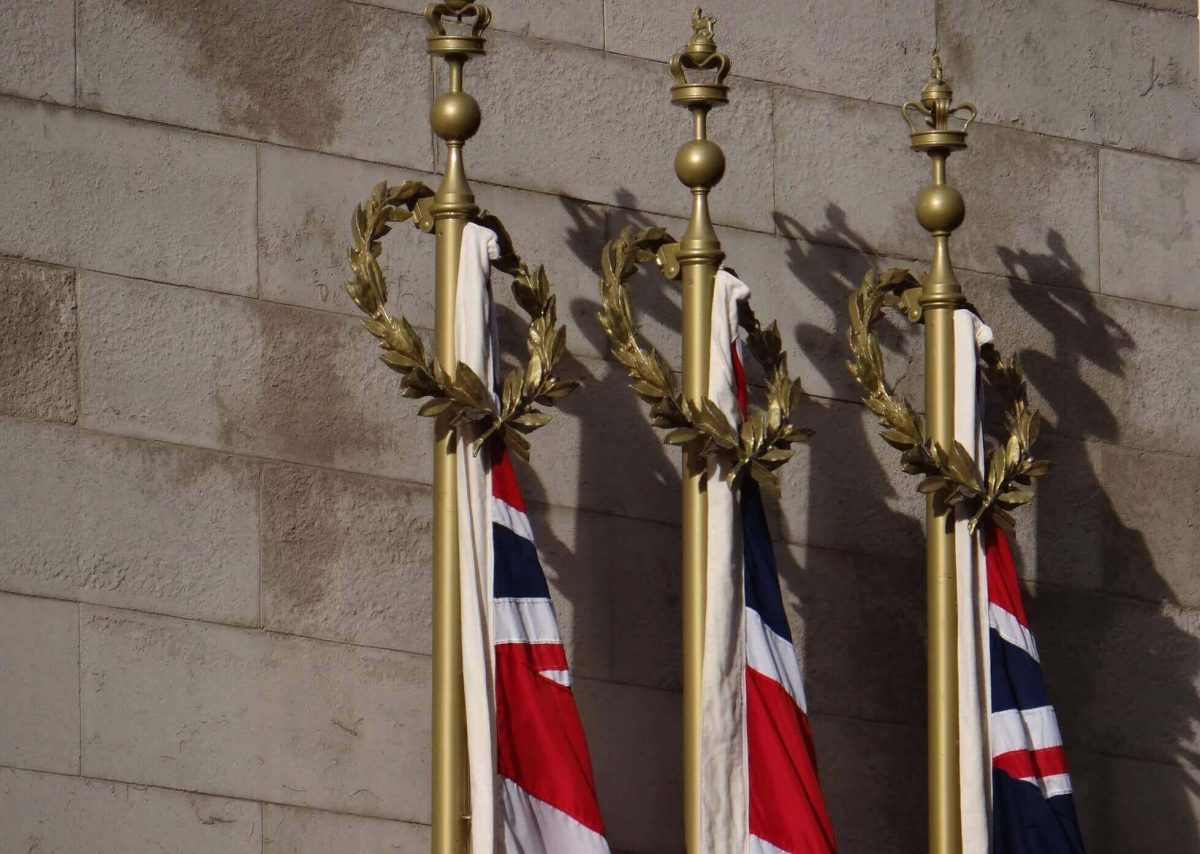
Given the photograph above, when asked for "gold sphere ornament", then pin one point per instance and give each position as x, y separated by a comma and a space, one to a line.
455, 116
940, 208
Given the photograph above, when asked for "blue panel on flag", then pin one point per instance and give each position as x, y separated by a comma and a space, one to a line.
1025, 822
1016, 678
518, 573
762, 578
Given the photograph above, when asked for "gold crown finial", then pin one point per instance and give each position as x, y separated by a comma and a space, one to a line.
699, 54
442, 44
937, 108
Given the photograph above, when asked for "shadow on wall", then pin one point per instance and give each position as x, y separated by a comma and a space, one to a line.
1081, 641
874, 633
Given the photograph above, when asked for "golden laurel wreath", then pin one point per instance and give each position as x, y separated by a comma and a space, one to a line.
951, 472
765, 439
465, 398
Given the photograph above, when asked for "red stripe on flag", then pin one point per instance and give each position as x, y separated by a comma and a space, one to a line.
787, 808
1003, 589
1023, 764
539, 738
504, 478
543, 656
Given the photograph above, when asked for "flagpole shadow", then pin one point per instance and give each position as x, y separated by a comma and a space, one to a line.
1082, 636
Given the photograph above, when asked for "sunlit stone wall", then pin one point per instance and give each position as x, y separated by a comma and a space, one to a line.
215, 510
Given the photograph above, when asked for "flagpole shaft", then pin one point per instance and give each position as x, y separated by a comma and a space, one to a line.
940, 210
699, 164
454, 117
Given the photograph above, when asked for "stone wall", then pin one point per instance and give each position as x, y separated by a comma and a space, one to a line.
215, 523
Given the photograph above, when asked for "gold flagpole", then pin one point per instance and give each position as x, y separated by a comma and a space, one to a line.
455, 118
700, 165
940, 210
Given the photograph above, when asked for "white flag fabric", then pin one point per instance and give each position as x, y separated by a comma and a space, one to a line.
531, 783
975, 778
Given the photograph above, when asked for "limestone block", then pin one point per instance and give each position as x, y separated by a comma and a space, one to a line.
1109, 73
845, 48
1098, 367
39, 371
37, 50
860, 615
318, 74
347, 558
244, 375
1123, 674
614, 139
1148, 213
634, 738
1130, 805
1022, 191
39, 674
129, 198
51, 814
245, 713
1153, 533
866, 762
844, 489
291, 830
136, 524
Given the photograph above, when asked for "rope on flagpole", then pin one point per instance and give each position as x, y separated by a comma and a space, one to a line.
461, 394
949, 472
764, 442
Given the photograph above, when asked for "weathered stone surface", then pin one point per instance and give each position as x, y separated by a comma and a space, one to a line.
844, 489
600, 452
1127, 805
860, 48
319, 74
128, 198
37, 50
291, 830
1098, 367
1150, 242
1124, 675
866, 762
615, 140
39, 372
245, 713
244, 375
853, 614
1152, 538
1061, 536
576, 21
863, 199
634, 739
1102, 72
51, 814
128, 523
39, 674
305, 204
347, 558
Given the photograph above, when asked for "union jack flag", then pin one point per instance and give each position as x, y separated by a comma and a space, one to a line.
1016, 792
532, 790
1033, 810
762, 793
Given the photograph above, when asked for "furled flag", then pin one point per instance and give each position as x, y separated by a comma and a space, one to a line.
759, 774
1015, 789
531, 784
